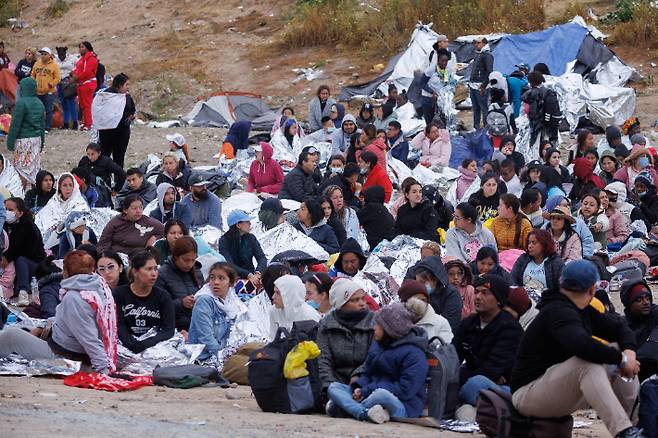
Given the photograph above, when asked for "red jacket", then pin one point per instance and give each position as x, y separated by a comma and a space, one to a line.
85, 68
379, 177
265, 177
378, 146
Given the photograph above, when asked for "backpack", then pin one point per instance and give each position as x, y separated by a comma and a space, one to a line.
627, 270
649, 408
275, 393
442, 380
497, 418
497, 122
187, 376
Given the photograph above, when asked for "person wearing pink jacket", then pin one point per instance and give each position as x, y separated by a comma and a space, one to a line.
435, 146
265, 174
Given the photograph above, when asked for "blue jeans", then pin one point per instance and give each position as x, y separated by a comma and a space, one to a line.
341, 395
480, 102
48, 101
470, 391
25, 269
69, 108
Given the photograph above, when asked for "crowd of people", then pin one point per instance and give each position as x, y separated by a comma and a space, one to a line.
514, 256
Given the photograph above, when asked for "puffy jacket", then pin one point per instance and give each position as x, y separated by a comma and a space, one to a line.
377, 147
482, 66
419, 221
179, 284
375, 218
240, 251
401, 369
343, 349
445, 299
399, 148
378, 177
552, 270
28, 118
298, 185
488, 351
104, 168
267, 176
436, 152
505, 231
323, 235
618, 230
49, 293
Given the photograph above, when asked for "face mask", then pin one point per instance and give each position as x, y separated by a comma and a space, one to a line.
428, 288
337, 170
644, 162
640, 194
364, 171
330, 129
313, 304
10, 217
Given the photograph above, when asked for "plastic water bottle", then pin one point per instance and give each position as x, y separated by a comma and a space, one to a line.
11, 320
34, 285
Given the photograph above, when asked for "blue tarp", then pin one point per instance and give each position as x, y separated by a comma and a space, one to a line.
476, 145
555, 47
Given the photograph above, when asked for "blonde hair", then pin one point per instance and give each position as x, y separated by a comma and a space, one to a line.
33, 51
432, 246
170, 154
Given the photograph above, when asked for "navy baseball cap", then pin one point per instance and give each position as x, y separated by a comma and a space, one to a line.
579, 275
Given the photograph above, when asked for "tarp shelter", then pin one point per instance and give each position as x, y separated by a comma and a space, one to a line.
8, 85
221, 110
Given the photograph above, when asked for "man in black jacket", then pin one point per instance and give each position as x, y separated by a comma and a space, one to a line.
560, 367
642, 317
487, 341
481, 67
299, 184
544, 110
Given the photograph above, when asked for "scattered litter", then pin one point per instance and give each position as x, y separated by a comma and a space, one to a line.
47, 394
309, 74
195, 423
235, 405
581, 424
80, 402
165, 124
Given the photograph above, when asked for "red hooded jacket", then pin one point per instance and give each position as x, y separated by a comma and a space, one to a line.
85, 68
267, 176
378, 147
379, 177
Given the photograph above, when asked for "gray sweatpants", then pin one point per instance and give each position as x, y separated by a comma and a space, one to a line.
17, 341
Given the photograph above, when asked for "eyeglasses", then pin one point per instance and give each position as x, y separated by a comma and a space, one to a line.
107, 268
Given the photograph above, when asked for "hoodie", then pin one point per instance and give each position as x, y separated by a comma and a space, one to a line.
293, 293
465, 246
68, 240
350, 246
178, 211
378, 147
266, 176
340, 140
436, 152
375, 218
27, 120
444, 298
35, 199
466, 290
642, 326
585, 180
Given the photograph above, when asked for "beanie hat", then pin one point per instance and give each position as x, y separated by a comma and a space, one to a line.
642, 179
395, 319
341, 292
410, 288
638, 291
496, 284
579, 275
519, 300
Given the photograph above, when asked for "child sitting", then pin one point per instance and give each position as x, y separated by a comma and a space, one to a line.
460, 276
85, 182
76, 232
393, 380
175, 171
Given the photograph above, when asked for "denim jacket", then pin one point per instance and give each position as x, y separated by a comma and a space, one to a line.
208, 326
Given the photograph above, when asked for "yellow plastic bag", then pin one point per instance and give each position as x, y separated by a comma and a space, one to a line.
442, 235
295, 365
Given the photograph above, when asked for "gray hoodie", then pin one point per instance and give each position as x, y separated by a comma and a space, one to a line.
340, 140
465, 246
75, 327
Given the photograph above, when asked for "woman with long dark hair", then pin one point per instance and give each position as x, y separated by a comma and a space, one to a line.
37, 197
332, 219
114, 141
486, 199
313, 224
240, 247
111, 268
567, 241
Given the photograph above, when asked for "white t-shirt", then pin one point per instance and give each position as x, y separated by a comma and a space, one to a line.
534, 276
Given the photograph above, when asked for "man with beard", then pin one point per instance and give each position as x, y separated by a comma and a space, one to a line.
138, 185
205, 207
168, 208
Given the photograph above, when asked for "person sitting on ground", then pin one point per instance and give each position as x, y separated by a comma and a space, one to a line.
531, 201
399, 146
37, 197
560, 367
613, 137
240, 247
642, 317
67, 198
508, 151
485, 342
345, 214
336, 115
350, 260
317, 286
645, 191
76, 233
618, 231
299, 183
468, 235
103, 167
368, 140
174, 171
340, 139
609, 166
335, 166
312, 224
443, 297
319, 107
271, 214
487, 199
384, 115
180, 276
346, 177
584, 180
552, 159
375, 175
50, 278
216, 307
592, 155
538, 268
205, 206
461, 277
178, 146
568, 243
169, 207
143, 306
344, 334
639, 161
510, 227
416, 299
584, 141
265, 174
287, 112
510, 178
289, 305
323, 135
332, 220
375, 218
287, 138
595, 218
434, 144
531, 175
84, 328
392, 384
111, 268
130, 229
486, 262
466, 183
417, 217
137, 184
87, 189
366, 115
236, 139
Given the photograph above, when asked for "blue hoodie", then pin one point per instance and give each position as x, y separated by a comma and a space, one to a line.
238, 135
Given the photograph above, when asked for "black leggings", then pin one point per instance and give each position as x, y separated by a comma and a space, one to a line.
114, 143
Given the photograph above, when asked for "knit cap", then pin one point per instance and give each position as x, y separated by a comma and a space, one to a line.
638, 291
496, 284
518, 300
395, 319
410, 288
341, 292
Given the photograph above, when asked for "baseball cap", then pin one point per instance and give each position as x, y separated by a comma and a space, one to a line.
176, 138
237, 216
534, 164
441, 38
579, 275
272, 204
198, 180
46, 50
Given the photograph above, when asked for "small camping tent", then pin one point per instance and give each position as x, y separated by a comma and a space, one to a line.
223, 109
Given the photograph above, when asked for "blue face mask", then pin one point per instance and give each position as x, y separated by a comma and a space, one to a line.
313, 304
644, 162
429, 288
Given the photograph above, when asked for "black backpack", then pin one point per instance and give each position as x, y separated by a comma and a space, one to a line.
275, 393
187, 376
497, 418
442, 379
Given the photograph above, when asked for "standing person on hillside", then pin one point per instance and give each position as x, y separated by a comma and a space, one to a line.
66, 63
442, 43
4, 58
24, 67
543, 110
85, 76
516, 82
46, 73
26, 132
114, 141
481, 68
319, 107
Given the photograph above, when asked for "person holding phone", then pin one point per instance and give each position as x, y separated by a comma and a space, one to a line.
240, 247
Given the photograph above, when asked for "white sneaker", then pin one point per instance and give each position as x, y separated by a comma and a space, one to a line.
378, 415
23, 298
466, 413
328, 407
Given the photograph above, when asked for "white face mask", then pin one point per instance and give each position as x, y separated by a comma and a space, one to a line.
10, 217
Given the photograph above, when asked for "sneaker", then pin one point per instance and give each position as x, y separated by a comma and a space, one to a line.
631, 432
466, 413
23, 298
378, 415
328, 408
